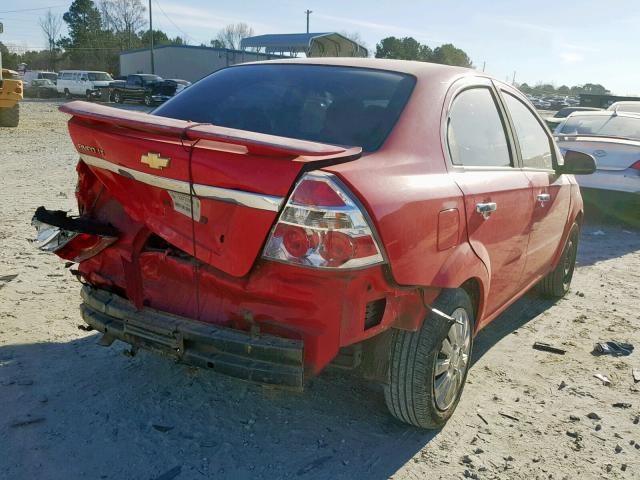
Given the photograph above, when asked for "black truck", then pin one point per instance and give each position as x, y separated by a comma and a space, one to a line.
145, 88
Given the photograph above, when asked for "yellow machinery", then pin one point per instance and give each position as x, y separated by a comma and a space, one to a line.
10, 95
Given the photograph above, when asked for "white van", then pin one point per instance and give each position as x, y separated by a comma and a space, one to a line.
82, 82
39, 75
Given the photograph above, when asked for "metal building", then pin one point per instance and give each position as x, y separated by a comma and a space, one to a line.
185, 61
324, 44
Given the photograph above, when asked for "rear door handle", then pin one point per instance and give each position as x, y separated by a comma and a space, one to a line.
486, 209
543, 197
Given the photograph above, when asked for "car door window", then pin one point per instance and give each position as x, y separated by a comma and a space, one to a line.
475, 132
535, 144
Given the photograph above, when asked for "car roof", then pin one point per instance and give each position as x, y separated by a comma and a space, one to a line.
604, 113
83, 71
418, 69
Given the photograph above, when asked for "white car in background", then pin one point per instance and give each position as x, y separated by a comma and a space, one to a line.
612, 137
85, 83
627, 106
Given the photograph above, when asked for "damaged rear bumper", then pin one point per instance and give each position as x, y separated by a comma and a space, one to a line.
259, 358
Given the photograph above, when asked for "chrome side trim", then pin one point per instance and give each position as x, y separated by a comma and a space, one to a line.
238, 197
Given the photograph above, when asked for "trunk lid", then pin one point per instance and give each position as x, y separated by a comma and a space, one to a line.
212, 192
610, 153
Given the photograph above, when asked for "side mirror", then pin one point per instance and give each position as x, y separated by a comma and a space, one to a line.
577, 163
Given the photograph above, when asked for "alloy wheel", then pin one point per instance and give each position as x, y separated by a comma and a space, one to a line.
452, 360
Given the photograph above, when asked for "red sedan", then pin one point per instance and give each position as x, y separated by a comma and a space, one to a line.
278, 217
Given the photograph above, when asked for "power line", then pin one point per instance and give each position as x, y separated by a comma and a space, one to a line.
33, 9
187, 37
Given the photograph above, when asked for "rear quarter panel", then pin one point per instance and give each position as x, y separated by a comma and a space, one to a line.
404, 186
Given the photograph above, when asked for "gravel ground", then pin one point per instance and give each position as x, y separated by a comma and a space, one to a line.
71, 409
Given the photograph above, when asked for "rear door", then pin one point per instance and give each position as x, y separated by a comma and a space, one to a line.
551, 192
496, 191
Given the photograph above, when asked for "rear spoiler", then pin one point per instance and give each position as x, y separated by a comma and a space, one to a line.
254, 143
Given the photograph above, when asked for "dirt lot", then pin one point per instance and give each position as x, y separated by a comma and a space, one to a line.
71, 409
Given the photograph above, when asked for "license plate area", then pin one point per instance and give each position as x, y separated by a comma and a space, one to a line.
186, 204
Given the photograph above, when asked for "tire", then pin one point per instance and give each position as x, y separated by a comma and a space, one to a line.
411, 393
147, 100
10, 117
88, 95
117, 97
557, 282
67, 94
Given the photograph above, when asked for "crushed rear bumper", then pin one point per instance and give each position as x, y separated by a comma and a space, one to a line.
264, 359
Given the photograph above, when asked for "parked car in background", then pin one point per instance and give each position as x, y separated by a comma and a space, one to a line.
168, 88
147, 89
632, 107
563, 113
43, 88
613, 138
276, 217
85, 83
39, 75
541, 104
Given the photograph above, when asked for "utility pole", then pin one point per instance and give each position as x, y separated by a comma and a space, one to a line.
484, 64
153, 67
513, 80
308, 12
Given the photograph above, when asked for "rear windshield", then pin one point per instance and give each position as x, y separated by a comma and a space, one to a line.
99, 77
328, 104
611, 126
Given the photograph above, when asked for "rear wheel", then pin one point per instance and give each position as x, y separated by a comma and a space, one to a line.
117, 97
428, 368
556, 284
148, 101
10, 117
87, 95
67, 93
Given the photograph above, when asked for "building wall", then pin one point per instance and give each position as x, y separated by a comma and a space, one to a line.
186, 62
603, 101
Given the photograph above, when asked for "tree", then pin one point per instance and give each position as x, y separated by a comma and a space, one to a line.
160, 38
407, 48
215, 43
594, 88
524, 88
448, 54
563, 90
9, 60
124, 18
88, 44
51, 25
231, 35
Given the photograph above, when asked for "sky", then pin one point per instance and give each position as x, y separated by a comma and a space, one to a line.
568, 42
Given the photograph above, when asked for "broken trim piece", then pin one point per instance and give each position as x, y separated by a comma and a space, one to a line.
238, 197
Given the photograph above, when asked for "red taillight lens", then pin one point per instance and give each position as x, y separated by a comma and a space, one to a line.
314, 192
294, 239
321, 226
636, 166
80, 247
337, 248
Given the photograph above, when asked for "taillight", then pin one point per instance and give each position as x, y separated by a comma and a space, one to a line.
321, 226
68, 244
636, 165
83, 246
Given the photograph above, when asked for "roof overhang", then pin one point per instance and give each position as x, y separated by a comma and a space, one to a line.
327, 44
